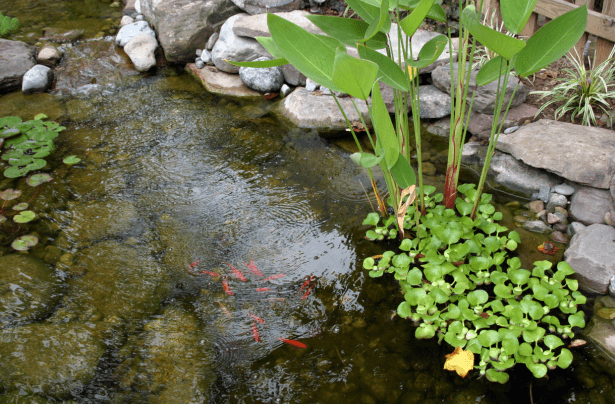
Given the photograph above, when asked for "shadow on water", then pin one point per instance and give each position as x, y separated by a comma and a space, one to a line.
176, 186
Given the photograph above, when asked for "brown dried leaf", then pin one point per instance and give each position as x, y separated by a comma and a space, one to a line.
403, 207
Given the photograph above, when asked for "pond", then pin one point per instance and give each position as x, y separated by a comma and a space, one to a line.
177, 190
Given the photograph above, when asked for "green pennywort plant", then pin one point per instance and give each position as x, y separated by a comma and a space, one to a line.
26, 144
461, 286
324, 59
580, 90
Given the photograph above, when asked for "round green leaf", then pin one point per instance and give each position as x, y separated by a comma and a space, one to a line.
553, 342
489, 337
70, 160
510, 345
401, 260
565, 268
519, 276
439, 295
565, 358
477, 297
372, 219
10, 194
425, 331
376, 274
495, 376
533, 335
538, 369
24, 216
414, 277
404, 309
21, 206
413, 295
24, 242
38, 179
577, 320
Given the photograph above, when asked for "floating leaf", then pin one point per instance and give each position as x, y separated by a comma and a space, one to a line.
9, 121
21, 206
24, 216
24, 242
459, 361
2, 219
70, 160
372, 219
38, 179
40, 116
9, 194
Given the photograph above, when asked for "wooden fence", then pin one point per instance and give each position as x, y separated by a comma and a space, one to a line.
600, 21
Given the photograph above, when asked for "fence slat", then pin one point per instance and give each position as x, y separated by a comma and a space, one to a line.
603, 47
597, 24
581, 44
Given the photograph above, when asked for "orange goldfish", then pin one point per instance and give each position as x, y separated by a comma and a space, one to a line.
210, 273
227, 288
263, 289
272, 277
195, 263
260, 320
237, 273
252, 267
292, 342
255, 334
308, 292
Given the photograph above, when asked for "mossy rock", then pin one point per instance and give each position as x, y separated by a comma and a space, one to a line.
97, 220
53, 359
171, 364
29, 289
119, 282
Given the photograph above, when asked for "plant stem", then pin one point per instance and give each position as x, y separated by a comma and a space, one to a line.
38, 189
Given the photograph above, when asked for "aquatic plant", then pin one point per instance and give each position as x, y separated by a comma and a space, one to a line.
580, 90
461, 286
8, 25
26, 144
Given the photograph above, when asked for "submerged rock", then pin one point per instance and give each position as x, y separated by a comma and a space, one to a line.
219, 82
57, 360
119, 282
96, 220
29, 289
170, 363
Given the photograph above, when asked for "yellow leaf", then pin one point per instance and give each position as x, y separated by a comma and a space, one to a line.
412, 72
460, 361
403, 207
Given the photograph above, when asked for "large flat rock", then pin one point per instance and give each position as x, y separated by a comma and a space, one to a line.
265, 6
311, 111
16, 58
218, 82
256, 25
592, 255
578, 153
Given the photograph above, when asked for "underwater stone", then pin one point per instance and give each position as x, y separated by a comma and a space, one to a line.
95, 220
29, 289
57, 360
537, 226
49, 56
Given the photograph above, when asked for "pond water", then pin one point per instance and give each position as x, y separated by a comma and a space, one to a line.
173, 182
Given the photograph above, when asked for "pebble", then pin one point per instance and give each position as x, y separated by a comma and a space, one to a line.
612, 287
212, 41
561, 210
542, 216
140, 17
556, 200
537, 206
520, 219
511, 130
552, 219
609, 218
563, 227
199, 63
559, 237
563, 189
285, 90
537, 226
543, 194
198, 52
325, 90
311, 86
126, 20
206, 57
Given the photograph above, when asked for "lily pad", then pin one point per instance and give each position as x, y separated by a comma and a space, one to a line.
25, 216
9, 194
2, 219
21, 206
24, 242
70, 160
38, 179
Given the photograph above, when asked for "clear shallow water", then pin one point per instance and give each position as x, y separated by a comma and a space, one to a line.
172, 175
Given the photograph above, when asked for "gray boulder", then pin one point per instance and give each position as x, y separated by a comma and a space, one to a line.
592, 255
590, 205
253, 26
37, 80
310, 111
183, 26
232, 47
16, 58
434, 103
484, 101
480, 124
517, 176
131, 31
272, 6
267, 80
141, 51
293, 76
565, 149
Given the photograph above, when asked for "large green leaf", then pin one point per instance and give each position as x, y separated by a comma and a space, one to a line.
389, 72
516, 13
354, 76
402, 172
378, 23
491, 71
499, 43
367, 160
347, 30
308, 53
387, 138
261, 63
412, 22
429, 52
269, 44
552, 41
369, 12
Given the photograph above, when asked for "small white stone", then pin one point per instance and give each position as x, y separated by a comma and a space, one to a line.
140, 17
325, 90
206, 57
199, 64
285, 90
126, 20
198, 52
511, 129
311, 86
212, 41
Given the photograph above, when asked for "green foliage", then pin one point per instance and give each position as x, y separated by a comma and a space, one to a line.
461, 286
26, 144
581, 90
8, 25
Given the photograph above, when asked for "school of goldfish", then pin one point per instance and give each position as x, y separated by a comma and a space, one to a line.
308, 285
